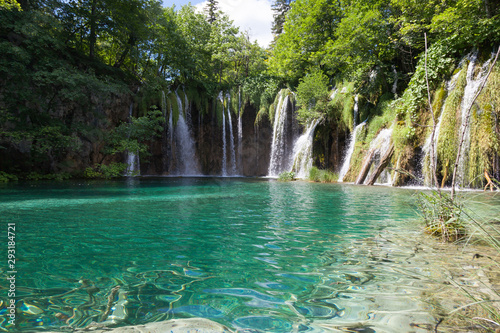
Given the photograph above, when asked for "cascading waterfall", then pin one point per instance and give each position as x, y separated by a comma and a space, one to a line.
380, 145
133, 162
356, 111
231, 136
350, 150
302, 151
471, 89
395, 84
426, 161
187, 162
224, 151
279, 161
240, 133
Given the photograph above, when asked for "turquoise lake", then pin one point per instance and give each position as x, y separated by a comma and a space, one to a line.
256, 255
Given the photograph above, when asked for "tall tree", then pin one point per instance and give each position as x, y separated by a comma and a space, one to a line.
211, 10
280, 8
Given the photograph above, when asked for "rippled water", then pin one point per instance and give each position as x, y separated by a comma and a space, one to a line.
255, 255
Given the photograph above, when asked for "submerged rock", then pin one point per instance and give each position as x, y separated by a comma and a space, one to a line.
191, 325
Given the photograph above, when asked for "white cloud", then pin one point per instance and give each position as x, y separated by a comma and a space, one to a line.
254, 16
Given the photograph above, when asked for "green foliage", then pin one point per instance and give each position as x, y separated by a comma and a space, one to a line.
448, 134
133, 136
51, 176
442, 216
342, 105
6, 177
286, 176
322, 176
9, 5
112, 170
280, 8
415, 96
312, 96
484, 143
260, 90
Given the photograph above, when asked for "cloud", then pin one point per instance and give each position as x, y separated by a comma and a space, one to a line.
254, 16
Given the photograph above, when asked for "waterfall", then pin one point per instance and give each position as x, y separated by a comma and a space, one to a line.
240, 134
471, 89
356, 109
133, 162
279, 161
224, 153
187, 162
426, 161
231, 136
380, 145
302, 151
350, 150
395, 84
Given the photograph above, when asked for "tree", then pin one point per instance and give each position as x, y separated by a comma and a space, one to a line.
280, 8
211, 10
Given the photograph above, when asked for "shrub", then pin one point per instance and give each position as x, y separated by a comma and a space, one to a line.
322, 176
105, 171
6, 177
286, 176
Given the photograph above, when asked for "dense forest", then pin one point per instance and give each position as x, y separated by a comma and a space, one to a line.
83, 82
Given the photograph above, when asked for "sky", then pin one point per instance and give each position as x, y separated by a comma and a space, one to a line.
254, 16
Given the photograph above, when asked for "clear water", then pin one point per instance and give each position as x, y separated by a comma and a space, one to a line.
255, 255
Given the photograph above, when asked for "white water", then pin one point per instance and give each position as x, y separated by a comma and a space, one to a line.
240, 134
224, 152
356, 110
395, 84
426, 162
231, 137
279, 162
350, 150
302, 151
186, 155
380, 145
133, 162
471, 89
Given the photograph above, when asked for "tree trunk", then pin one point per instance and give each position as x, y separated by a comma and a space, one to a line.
381, 166
367, 163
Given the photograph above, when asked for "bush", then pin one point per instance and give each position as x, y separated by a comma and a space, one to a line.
49, 176
6, 177
112, 170
286, 176
322, 176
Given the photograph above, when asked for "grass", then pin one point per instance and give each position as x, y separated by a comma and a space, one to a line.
455, 221
322, 176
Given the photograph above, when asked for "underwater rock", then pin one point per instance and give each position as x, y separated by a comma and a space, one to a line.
175, 326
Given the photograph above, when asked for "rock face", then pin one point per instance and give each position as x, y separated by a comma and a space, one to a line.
191, 325
86, 121
252, 160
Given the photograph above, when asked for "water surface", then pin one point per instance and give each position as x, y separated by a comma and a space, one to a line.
255, 255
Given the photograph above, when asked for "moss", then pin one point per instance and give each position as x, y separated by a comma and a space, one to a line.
261, 116
219, 108
173, 107
484, 142
438, 101
342, 105
448, 134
